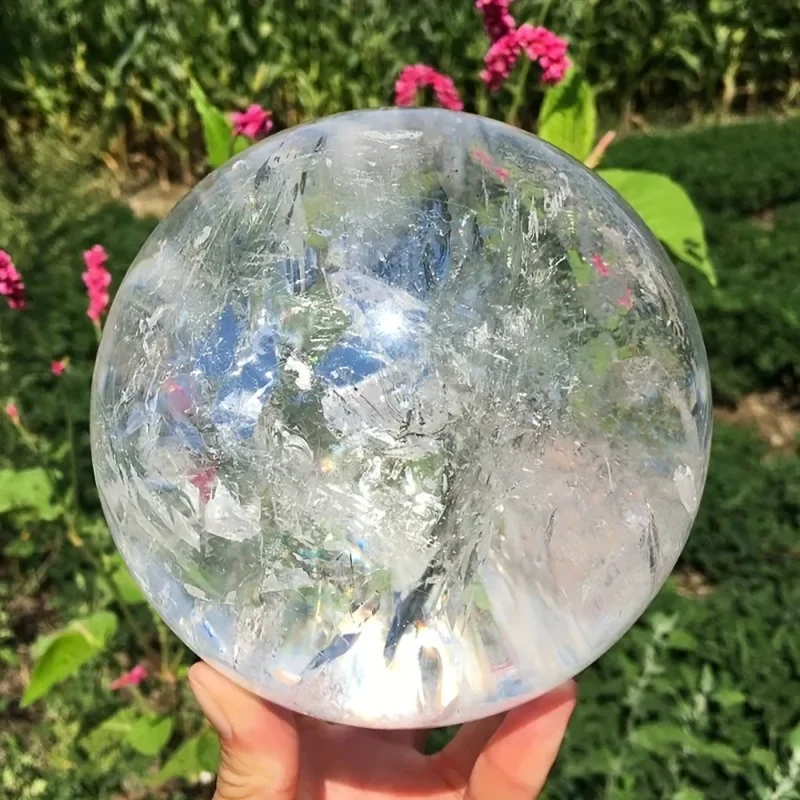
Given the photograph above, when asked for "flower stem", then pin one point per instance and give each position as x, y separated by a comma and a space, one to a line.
519, 92
482, 103
141, 701
73, 534
163, 644
137, 630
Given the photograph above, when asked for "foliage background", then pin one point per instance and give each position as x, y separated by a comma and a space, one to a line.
701, 699
124, 65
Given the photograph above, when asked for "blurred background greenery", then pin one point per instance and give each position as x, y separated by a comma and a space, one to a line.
702, 698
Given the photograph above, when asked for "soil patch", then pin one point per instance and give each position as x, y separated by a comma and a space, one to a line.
771, 415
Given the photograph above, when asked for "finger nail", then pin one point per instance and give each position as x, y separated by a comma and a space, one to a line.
209, 707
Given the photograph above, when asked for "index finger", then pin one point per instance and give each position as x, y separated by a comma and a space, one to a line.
516, 761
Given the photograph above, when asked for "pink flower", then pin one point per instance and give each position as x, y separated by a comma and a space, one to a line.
487, 162
177, 394
600, 266
417, 76
58, 367
12, 412
539, 44
97, 279
549, 50
626, 301
131, 678
11, 284
500, 60
256, 121
496, 18
205, 480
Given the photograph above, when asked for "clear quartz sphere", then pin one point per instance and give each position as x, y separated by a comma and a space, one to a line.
401, 418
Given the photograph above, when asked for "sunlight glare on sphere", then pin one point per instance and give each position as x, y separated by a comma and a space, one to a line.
401, 418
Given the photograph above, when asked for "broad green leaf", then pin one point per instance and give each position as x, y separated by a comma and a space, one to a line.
67, 650
110, 732
149, 734
669, 213
208, 752
794, 740
188, 761
217, 130
127, 587
659, 738
28, 489
568, 117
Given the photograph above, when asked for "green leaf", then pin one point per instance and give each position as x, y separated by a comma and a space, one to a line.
217, 130
688, 794
568, 117
128, 588
149, 734
794, 740
764, 758
580, 269
682, 640
208, 752
707, 680
110, 732
20, 548
719, 752
669, 213
240, 144
28, 489
188, 761
728, 698
659, 738
66, 651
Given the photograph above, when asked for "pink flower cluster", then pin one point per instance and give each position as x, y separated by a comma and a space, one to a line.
12, 412
603, 270
205, 481
254, 122
600, 266
538, 43
97, 279
11, 284
487, 162
417, 76
58, 367
131, 678
496, 17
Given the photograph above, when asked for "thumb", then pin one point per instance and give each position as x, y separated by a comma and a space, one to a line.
260, 750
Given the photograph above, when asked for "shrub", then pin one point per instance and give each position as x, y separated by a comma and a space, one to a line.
127, 63
735, 170
751, 323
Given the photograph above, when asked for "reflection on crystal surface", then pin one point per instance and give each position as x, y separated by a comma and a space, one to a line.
401, 418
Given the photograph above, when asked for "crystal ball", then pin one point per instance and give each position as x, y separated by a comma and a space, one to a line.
401, 418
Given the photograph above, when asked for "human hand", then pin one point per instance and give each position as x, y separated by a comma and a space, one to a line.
269, 753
